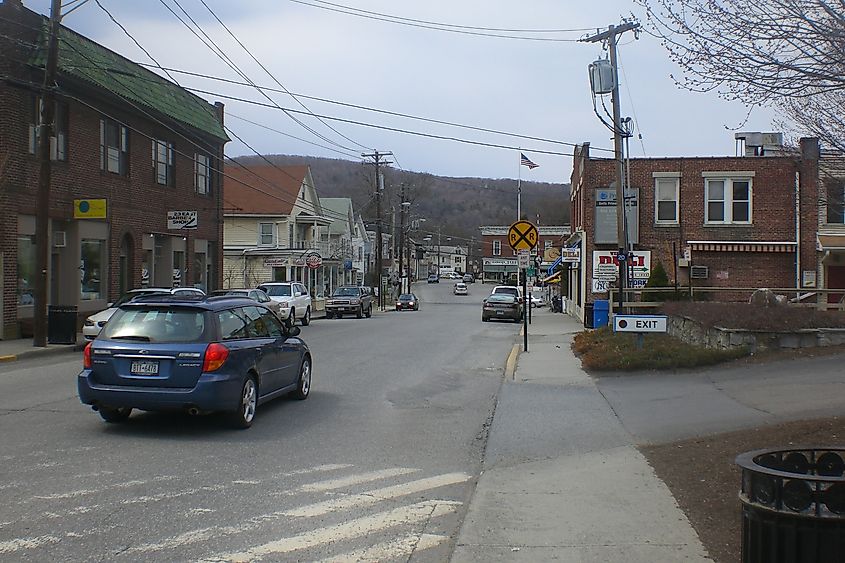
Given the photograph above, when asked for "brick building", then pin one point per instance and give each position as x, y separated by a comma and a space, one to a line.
747, 221
128, 148
499, 260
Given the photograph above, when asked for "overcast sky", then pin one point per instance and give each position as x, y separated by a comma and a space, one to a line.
538, 89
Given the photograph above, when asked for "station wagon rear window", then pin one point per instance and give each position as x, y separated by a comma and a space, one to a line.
155, 324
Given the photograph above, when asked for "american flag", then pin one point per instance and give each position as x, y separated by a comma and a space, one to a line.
525, 161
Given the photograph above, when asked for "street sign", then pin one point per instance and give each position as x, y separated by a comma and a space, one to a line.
639, 323
523, 235
523, 258
530, 272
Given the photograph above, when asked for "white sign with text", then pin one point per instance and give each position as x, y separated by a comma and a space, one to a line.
639, 323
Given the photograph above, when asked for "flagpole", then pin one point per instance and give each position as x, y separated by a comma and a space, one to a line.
519, 188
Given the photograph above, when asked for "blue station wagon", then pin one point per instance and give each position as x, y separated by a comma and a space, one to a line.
204, 354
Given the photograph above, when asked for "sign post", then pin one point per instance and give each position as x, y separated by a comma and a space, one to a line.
523, 237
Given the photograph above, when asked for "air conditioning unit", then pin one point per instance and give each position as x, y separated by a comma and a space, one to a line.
699, 272
59, 239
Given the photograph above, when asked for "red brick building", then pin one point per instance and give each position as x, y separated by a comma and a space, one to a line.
128, 148
499, 260
749, 221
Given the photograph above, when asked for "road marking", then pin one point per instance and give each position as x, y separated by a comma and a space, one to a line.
357, 528
167, 496
402, 547
356, 479
376, 496
85, 492
26, 543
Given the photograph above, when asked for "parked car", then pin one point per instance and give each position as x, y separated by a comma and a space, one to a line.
538, 299
451, 276
468, 278
514, 290
203, 354
350, 299
408, 301
461, 289
254, 294
93, 324
433, 278
501, 306
293, 299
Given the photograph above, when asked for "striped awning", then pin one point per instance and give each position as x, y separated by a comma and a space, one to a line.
554, 278
740, 246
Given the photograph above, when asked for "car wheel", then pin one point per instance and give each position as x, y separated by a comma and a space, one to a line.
360, 312
484, 319
115, 414
292, 316
306, 320
247, 404
303, 384
369, 311
329, 315
340, 315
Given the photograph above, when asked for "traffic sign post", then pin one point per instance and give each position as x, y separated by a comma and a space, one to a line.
523, 236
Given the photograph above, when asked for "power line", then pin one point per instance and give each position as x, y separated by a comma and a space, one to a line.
268, 128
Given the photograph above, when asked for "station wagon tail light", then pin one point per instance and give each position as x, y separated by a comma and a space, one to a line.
215, 356
86, 356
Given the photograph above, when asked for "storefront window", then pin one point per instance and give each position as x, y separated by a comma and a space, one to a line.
26, 269
91, 269
178, 267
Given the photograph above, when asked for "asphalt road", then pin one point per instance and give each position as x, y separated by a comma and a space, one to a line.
378, 463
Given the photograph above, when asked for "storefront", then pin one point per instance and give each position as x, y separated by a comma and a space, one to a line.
499, 269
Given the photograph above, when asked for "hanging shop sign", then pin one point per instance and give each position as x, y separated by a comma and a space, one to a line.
182, 220
313, 260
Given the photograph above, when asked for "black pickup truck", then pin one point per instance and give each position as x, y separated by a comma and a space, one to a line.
348, 300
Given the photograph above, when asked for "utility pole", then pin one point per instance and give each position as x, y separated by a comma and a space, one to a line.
379, 187
42, 199
611, 38
401, 237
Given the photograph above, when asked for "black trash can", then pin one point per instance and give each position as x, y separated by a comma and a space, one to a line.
61, 324
588, 315
793, 505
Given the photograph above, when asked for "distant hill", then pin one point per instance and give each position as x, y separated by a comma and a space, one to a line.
457, 205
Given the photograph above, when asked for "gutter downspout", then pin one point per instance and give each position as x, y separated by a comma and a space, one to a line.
798, 233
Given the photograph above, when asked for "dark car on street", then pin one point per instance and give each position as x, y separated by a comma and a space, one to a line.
408, 301
501, 306
350, 300
198, 355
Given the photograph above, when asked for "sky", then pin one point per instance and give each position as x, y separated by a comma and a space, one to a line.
537, 89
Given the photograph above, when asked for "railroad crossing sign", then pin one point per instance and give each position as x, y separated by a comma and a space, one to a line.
523, 235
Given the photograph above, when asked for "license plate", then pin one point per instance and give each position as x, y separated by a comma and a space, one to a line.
144, 367
500, 312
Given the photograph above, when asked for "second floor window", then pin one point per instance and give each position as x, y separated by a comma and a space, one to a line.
497, 248
727, 201
114, 147
265, 234
202, 173
666, 200
163, 162
835, 201
58, 142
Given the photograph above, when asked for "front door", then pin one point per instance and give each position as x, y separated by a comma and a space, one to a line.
835, 280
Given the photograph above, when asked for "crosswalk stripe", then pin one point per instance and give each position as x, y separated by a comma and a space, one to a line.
402, 547
359, 527
26, 543
356, 479
377, 495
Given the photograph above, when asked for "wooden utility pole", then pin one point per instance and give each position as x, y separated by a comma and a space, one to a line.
42, 198
379, 187
611, 37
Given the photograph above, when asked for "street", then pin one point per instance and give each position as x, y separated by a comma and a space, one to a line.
379, 463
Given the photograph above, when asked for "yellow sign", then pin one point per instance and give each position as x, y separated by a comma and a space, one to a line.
523, 235
551, 254
89, 209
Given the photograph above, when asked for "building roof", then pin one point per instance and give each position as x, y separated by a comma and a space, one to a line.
338, 209
85, 60
262, 190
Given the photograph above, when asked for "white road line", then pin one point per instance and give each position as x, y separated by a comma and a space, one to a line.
317, 469
359, 527
168, 496
18, 544
401, 547
86, 492
356, 479
376, 496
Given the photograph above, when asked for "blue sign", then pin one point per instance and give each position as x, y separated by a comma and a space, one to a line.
347, 264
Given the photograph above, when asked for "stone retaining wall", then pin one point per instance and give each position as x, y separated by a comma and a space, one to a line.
692, 332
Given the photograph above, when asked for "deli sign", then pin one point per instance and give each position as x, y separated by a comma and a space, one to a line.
606, 265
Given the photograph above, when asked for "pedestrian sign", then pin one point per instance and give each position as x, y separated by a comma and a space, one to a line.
523, 235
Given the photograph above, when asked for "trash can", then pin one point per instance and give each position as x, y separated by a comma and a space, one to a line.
793, 505
61, 324
588, 315
601, 312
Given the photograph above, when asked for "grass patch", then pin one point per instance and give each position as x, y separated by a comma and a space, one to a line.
604, 350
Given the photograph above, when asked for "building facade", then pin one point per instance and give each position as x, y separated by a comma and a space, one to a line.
499, 260
745, 222
135, 194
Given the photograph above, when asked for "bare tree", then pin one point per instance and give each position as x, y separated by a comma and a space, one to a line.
789, 54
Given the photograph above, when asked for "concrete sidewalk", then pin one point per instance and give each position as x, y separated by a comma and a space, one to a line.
562, 480
21, 348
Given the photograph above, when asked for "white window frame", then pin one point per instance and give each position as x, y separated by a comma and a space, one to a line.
497, 248
728, 179
202, 173
262, 234
665, 178
163, 169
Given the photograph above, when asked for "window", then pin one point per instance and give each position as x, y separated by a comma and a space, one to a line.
202, 174
497, 248
666, 200
91, 269
727, 200
233, 324
58, 142
457, 259
265, 234
835, 201
114, 147
26, 269
163, 162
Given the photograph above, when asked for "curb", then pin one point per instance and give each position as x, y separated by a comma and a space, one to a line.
39, 352
510, 366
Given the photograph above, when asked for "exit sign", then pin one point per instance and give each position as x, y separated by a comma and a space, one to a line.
639, 323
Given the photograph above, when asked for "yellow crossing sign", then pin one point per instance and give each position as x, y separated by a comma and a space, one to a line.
523, 235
